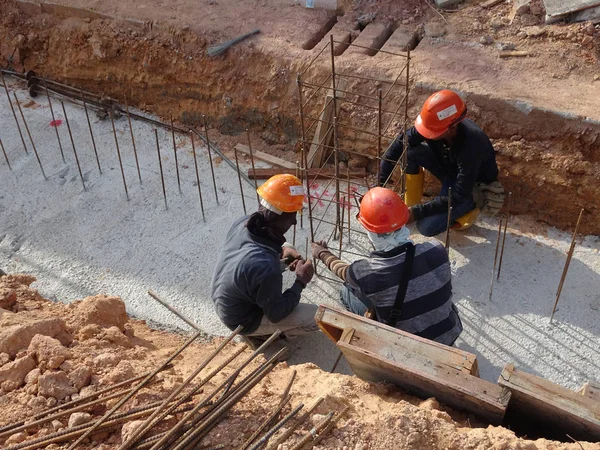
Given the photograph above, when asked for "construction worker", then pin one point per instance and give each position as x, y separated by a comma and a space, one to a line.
459, 154
247, 283
405, 285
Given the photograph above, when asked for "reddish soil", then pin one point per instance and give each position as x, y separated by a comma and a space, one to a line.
541, 110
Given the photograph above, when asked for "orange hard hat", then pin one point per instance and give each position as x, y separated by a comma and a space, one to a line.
283, 192
440, 111
382, 211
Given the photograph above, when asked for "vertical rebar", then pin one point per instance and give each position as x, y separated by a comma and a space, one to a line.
62, 104
349, 205
567, 263
304, 158
342, 226
162, 176
335, 136
29, 134
197, 176
12, 108
379, 103
212, 169
62, 153
405, 150
87, 116
237, 165
504, 237
5, 155
112, 120
300, 174
133, 142
449, 222
175, 153
495, 258
253, 169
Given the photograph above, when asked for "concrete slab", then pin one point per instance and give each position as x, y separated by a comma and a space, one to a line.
446, 3
400, 41
341, 35
30, 8
555, 8
371, 39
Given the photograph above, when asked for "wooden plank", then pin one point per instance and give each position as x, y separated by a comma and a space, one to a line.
556, 8
552, 405
426, 378
591, 389
266, 157
263, 174
389, 342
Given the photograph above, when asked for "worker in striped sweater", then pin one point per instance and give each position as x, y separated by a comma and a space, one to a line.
407, 286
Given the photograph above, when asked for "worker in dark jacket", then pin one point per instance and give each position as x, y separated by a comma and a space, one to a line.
458, 153
406, 286
247, 283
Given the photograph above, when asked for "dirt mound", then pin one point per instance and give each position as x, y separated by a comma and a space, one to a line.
45, 373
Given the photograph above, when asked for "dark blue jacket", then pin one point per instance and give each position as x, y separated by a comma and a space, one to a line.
247, 282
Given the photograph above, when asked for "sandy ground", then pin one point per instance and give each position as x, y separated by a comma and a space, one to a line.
82, 243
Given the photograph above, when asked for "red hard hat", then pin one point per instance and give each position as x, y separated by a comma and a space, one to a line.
382, 211
440, 111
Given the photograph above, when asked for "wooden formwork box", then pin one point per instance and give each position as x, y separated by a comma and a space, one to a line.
377, 352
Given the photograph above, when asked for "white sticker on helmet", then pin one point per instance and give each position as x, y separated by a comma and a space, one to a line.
448, 112
296, 190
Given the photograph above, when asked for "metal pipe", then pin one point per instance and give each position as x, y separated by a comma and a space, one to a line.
197, 176
567, 263
253, 168
495, 259
155, 296
156, 416
30, 138
73, 144
237, 164
5, 155
134, 391
175, 153
87, 116
449, 221
162, 177
14, 114
504, 237
54, 122
119, 153
137, 163
212, 169
305, 159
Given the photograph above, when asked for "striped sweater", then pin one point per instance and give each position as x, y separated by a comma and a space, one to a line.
428, 310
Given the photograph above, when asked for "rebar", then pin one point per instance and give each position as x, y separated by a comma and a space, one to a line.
329, 426
212, 169
162, 176
12, 108
379, 102
55, 124
567, 263
62, 104
312, 434
175, 153
253, 168
372, 49
135, 390
112, 121
495, 259
405, 153
237, 164
284, 437
5, 155
449, 221
277, 427
266, 422
305, 158
504, 234
29, 134
341, 228
197, 176
156, 416
337, 361
349, 204
137, 163
175, 429
87, 116
175, 311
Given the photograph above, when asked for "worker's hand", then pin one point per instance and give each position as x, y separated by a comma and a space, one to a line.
318, 247
304, 271
411, 216
290, 254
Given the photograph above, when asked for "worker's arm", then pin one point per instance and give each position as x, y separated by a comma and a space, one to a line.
275, 304
333, 263
462, 191
394, 152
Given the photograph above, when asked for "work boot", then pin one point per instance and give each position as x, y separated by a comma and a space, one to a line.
254, 342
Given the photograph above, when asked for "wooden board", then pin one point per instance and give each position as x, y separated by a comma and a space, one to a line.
427, 378
266, 157
591, 390
389, 342
552, 405
555, 8
263, 174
